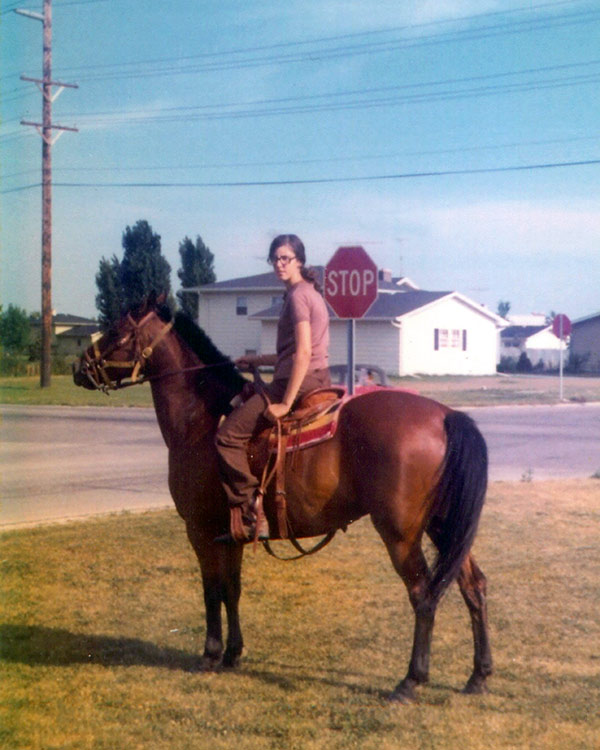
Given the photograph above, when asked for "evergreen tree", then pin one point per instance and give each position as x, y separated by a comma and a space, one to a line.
110, 295
125, 284
196, 269
143, 268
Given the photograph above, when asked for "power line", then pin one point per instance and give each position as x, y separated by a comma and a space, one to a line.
218, 61
418, 98
322, 180
144, 114
296, 162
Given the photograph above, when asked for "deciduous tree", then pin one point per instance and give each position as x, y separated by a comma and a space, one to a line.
15, 329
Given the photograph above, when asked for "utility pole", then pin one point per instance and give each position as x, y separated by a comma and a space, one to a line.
45, 129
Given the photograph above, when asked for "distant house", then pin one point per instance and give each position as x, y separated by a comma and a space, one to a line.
585, 343
538, 342
71, 334
406, 331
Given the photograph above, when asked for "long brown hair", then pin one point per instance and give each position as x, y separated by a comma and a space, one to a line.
295, 243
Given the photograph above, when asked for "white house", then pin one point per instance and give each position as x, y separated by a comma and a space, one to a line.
406, 331
533, 336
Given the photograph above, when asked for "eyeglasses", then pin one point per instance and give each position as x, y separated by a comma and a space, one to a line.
283, 259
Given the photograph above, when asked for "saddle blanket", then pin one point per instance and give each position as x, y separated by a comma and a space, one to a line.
301, 433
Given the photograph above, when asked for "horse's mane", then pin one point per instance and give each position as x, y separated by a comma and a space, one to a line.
227, 377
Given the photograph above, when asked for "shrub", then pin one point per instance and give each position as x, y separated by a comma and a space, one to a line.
507, 364
524, 363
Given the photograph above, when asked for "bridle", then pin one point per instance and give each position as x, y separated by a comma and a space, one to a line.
95, 368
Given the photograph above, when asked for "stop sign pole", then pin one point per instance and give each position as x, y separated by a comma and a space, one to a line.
561, 328
350, 289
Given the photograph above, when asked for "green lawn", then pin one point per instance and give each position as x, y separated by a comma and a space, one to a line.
101, 623
63, 392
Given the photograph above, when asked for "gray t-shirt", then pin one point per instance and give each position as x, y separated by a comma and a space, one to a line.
302, 302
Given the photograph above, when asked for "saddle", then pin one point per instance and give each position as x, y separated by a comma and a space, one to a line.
313, 420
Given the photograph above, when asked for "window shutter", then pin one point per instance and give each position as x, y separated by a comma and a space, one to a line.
464, 339
436, 338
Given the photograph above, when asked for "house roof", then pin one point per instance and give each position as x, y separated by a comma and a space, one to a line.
79, 331
385, 307
66, 319
267, 282
399, 304
586, 319
257, 282
521, 332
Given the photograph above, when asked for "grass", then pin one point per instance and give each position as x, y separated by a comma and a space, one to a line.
63, 392
452, 390
102, 621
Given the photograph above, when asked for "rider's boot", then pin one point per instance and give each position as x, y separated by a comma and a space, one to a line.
248, 523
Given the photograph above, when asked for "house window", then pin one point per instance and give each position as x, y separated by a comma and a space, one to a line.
445, 338
241, 306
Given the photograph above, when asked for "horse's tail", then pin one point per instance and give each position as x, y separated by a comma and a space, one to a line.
457, 498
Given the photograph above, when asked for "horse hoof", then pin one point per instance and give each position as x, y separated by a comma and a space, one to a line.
231, 661
403, 694
208, 663
475, 686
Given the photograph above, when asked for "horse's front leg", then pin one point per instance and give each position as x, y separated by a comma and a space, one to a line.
212, 585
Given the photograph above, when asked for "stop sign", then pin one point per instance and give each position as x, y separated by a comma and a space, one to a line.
350, 282
561, 326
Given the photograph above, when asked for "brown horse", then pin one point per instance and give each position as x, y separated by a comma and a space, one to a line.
415, 466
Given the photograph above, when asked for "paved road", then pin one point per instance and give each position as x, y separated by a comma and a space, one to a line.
59, 462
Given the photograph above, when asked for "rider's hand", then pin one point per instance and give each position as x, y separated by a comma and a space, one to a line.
276, 411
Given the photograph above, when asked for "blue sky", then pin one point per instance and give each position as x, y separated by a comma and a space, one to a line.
410, 128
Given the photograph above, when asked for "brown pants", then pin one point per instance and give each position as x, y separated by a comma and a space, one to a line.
235, 432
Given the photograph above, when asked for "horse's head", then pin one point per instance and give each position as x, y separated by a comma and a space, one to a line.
124, 350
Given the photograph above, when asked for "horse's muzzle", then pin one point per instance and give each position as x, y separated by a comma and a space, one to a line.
81, 376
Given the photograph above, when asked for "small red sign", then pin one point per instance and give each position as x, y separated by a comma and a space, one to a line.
350, 282
561, 326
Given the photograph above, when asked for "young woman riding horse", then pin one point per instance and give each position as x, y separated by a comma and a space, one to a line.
414, 465
301, 365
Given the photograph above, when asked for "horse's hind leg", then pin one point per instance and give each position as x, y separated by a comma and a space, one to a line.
410, 564
472, 585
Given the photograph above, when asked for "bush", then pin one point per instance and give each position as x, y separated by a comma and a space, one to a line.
524, 363
13, 364
507, 364
576, 362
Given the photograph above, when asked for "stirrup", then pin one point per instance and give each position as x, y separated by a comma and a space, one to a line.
251, 526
